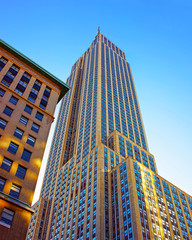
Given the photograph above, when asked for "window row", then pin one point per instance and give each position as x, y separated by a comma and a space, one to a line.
14, 191
6, 165
23, 82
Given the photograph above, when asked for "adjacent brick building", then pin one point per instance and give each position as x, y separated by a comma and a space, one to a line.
28, 97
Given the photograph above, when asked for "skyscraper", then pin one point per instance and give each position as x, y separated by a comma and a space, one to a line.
28, 97
101, 181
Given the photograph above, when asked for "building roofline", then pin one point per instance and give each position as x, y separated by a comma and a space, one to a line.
36, 67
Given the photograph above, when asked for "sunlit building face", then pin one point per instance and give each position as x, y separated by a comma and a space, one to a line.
101, 181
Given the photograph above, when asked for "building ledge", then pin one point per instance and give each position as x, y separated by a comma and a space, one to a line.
16, 202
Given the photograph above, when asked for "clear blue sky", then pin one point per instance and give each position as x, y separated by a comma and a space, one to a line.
156, 37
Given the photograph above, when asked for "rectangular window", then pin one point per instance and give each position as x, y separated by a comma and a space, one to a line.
22, 84
13, 100
10, 75
26, 155
8, 111
18, 133
39, 116
34, 91
7, 217
12, 147
3, 62
15, 191
3, 123
35, 127
6, 164
2, 183
2, 92
45, 98
23, 120
21, 171
31, 140
28, 109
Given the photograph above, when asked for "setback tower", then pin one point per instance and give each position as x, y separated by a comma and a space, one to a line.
101, 181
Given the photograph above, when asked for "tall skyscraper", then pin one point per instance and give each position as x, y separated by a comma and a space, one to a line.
28, 97
101, 181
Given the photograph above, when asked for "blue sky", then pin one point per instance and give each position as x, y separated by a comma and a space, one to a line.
156, 37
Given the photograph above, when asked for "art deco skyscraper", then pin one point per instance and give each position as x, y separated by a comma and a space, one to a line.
101, 182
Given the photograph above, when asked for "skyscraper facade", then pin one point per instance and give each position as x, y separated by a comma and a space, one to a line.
28, 97
101, 181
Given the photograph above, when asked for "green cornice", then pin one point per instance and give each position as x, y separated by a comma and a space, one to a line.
36, 67
16, 202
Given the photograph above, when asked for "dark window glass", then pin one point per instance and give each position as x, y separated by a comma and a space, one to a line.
3, 62
35, 127
18, 133
39, 116
10, 75
28, 109
6, 164
2, 183
8, 111
45, 98
22, 84
7, 217
13, 147
21, 171
13, 100
23, 120
15, 191
3, 123
2, 92
34, 91
31, 140
26, 155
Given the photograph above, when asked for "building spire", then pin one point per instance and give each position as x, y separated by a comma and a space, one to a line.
98, 30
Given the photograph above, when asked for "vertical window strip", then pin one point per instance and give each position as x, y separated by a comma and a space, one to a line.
137, 110
126, 100
115, 98
132, 106
94, 117
109, 94
103, 98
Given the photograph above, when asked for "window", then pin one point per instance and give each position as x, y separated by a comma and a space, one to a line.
26, 155
35, 127
13, 100
3, 123
3, 62
21, 171
45, 98
7, 217
34, 91
10, 75
31, 140
2, 92
39, 116
23, 120
28, 109
15, 191
13, 147
22, 84
6, 164
8, 111
2, 183
18, 133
